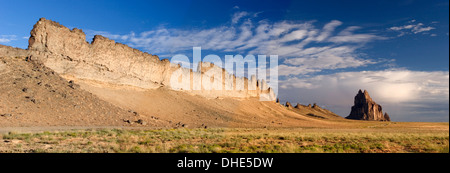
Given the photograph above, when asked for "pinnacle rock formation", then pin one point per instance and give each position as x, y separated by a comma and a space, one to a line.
289, 105
365, 108
386, 117
298, 106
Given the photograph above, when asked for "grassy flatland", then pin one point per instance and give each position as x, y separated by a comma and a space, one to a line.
373, 139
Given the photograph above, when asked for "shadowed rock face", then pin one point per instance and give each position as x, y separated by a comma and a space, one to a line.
386, 117
366, 109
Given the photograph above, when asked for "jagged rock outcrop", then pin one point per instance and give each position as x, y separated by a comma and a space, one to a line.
317, 107
386, 117
6, 51
289, 105
300, 106
68, 53
365, 108
313, 110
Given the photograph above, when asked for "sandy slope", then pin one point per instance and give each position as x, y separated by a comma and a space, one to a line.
34, 95
168, 108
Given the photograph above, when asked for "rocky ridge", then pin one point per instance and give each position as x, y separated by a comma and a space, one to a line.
68, 53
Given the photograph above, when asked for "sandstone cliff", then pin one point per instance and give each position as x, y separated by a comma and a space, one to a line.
68, 53
365, 108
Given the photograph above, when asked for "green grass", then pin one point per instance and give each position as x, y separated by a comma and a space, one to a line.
227, 141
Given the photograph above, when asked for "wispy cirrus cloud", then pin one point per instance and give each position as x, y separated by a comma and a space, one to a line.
318, 59
411, 28
7, 38
285, 38
347, 36
294, 42
237, 16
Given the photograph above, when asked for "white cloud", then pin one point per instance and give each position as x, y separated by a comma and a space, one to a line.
328, 30
411, 28
237, 16
318, 59
7, 38
285, 38
398, 28
347, 36
420, 28
286, 70
294, 42
295, 35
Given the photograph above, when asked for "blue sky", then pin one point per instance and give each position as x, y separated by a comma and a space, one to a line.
397, 50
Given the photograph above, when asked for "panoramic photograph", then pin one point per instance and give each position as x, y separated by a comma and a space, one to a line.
197, 76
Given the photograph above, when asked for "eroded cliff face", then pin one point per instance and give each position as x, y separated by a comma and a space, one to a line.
365, 108
68, 53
